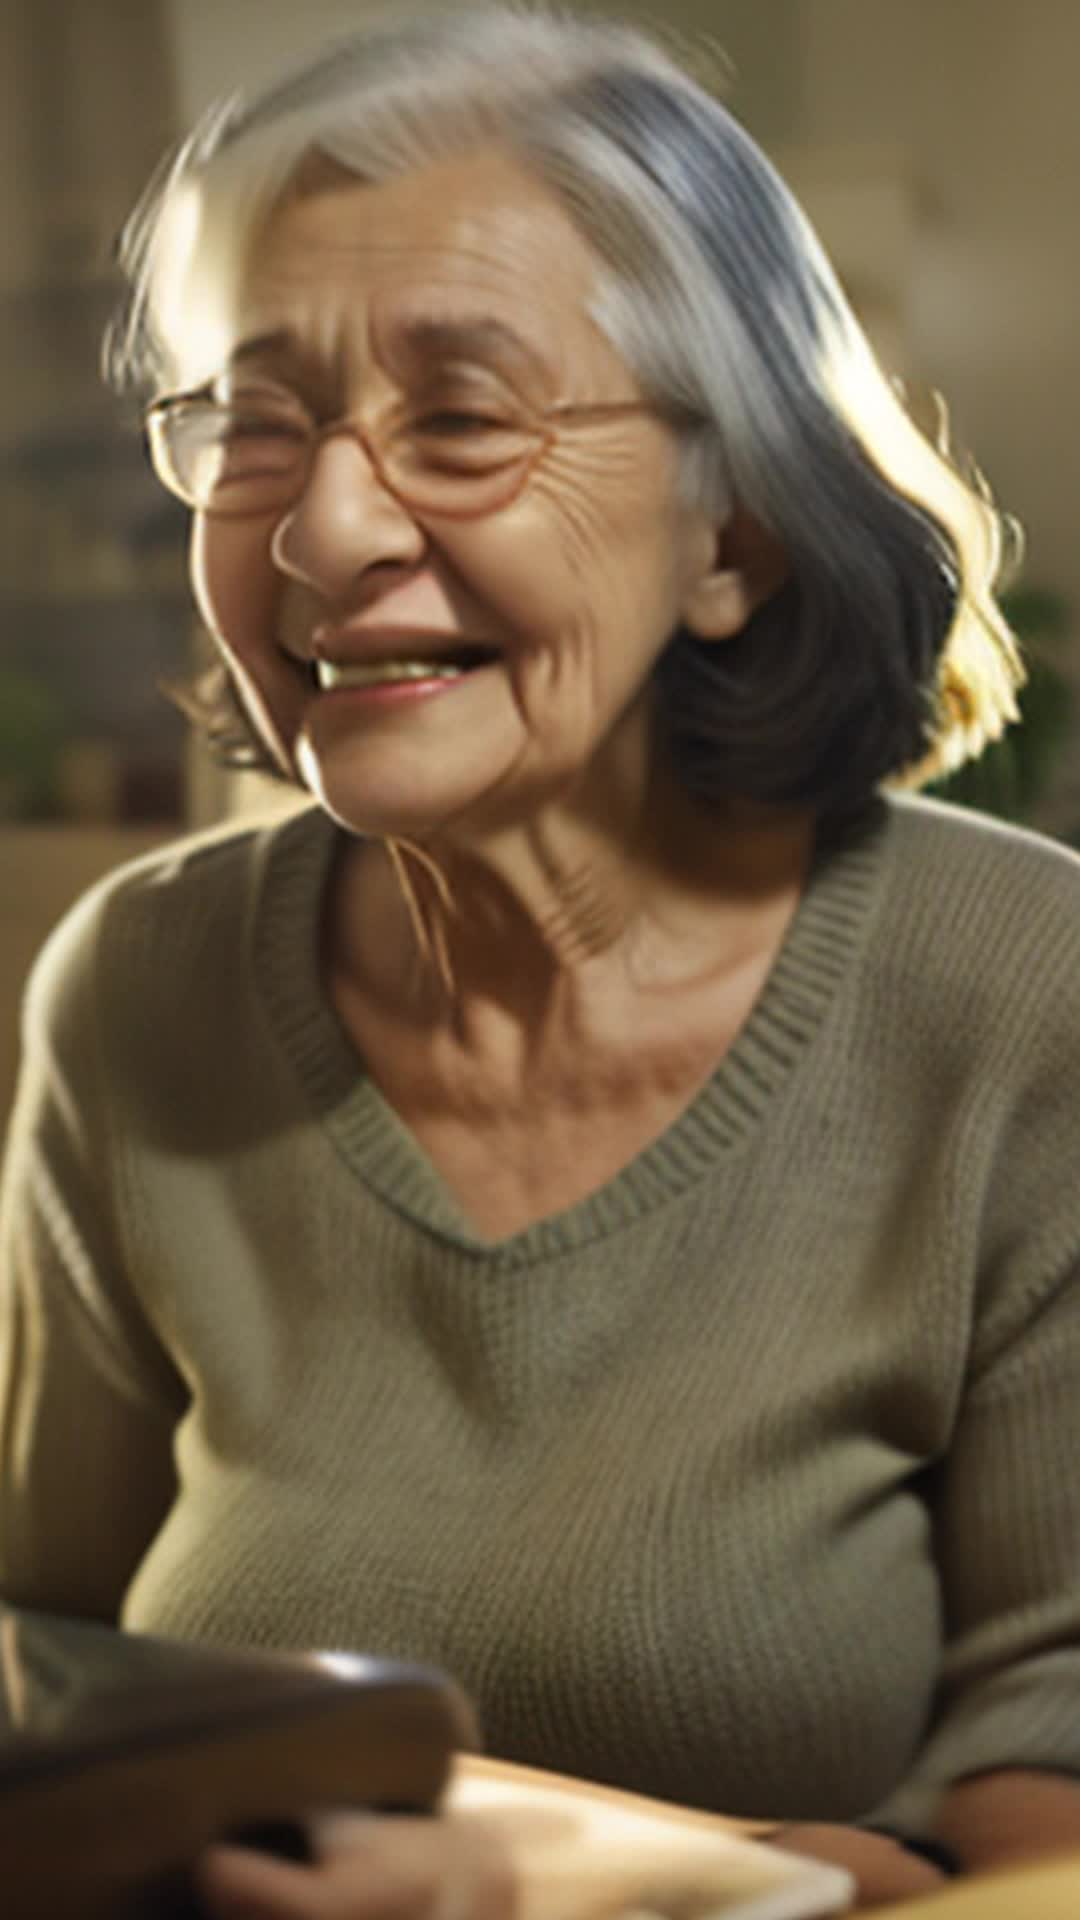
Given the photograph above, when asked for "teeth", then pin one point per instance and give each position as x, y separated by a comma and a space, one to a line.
330, 676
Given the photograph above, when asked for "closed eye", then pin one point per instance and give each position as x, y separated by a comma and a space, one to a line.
465, 440
457, 421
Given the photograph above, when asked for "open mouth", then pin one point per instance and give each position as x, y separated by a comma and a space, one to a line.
332, 675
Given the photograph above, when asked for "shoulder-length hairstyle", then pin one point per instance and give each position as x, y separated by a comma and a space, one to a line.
884, 655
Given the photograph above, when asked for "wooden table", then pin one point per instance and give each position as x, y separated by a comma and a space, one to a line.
1049, 1890
585, 1866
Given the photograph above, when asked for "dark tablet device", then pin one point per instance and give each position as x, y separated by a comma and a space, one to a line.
122, 1756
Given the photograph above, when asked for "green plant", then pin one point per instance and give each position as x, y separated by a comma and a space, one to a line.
32, 731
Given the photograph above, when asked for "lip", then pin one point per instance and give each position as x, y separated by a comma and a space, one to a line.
361, 646
383, 694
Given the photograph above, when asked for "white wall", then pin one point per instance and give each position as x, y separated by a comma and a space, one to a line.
980, 97
220, 44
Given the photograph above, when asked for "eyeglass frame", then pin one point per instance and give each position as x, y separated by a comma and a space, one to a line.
548, 420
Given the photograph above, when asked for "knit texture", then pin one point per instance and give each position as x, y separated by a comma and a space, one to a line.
749, 1481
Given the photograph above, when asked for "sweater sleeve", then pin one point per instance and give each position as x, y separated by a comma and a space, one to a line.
88, 1402
1007, 1495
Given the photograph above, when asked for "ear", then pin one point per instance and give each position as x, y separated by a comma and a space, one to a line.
742, 565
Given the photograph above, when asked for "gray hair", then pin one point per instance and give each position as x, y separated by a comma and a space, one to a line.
884, 654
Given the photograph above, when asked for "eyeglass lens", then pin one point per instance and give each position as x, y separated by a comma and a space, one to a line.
232, 459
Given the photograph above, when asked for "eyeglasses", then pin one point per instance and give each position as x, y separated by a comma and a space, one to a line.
254, 453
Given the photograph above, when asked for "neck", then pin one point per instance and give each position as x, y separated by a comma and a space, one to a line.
660, 893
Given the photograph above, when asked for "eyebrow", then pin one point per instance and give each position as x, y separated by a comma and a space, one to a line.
420, 336
281, 340
468, 338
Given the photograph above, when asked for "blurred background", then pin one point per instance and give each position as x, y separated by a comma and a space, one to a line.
935, 143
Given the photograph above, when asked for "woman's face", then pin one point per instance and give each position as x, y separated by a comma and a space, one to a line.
464, 279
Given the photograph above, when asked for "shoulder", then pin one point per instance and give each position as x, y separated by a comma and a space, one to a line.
969, 972
972, 974
979, 892
153, 926
957, 840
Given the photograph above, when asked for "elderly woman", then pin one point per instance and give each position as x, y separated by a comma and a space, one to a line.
589, 1202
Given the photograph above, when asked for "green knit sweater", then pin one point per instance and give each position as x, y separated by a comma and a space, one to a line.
750, 1481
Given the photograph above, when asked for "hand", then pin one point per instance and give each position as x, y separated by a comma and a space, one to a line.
369, 1869
883, 1869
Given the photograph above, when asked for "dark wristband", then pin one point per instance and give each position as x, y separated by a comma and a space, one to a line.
934, 1852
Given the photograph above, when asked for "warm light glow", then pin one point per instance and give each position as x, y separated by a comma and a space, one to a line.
185, 313
978, 683
347, 1666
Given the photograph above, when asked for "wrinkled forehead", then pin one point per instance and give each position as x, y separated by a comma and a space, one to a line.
469, 259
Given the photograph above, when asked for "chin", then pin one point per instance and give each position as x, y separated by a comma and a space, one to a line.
374, 804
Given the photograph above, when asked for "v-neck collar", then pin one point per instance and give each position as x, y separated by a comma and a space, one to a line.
828, 927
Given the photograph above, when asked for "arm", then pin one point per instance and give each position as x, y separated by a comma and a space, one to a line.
87, 1402
988, 1821
1012, 1814
999, 1775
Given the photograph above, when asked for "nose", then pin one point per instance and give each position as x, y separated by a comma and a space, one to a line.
345, 523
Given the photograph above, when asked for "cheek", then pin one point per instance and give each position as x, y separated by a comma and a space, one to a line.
612, 516
536, 566
234, 581
599, 584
